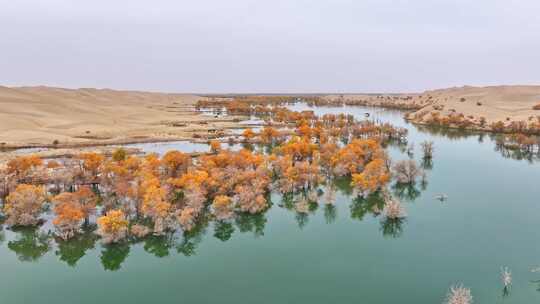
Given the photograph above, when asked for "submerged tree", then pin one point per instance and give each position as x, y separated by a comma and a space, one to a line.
156, 207
506, 278
112, 227
24, 205
458, 295
222, 207
393, 208
427, 149
140, 231
406, 171
186, 218
373, 177
69, 215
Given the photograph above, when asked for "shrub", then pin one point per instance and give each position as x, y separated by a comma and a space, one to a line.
498, 126
536, 107
119, 154
482, 121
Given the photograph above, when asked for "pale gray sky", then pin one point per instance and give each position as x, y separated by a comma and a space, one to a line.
269, 46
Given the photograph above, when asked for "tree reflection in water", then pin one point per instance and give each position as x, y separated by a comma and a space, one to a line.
72, 250
30, 244
113, 255
360, 206
2, 233
159, 245
427, 163
192, 238
301, 219
330, 213
392, 227
407, 192
502, 145
251, 223
223, 230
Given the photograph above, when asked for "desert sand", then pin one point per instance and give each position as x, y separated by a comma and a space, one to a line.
43, 115
494, 103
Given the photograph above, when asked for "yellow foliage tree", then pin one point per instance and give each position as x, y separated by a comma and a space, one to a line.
222, 207
374, 176
113, 226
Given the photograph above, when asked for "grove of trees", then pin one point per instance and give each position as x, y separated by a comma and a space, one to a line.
128, 195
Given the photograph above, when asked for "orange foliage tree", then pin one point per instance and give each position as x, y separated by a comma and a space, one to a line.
69, 214
352, 158
91, 162
374, 176
113, 226
270, 135
175, 163
215, 146
223, 207
156, 207
248, 134
24, 205
298, 148
21, 166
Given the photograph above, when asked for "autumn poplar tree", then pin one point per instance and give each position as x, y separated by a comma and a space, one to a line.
24, 205
113, 226
69, 215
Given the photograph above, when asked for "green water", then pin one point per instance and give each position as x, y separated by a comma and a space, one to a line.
341, 255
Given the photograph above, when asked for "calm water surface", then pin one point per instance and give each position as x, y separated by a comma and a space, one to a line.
344, 254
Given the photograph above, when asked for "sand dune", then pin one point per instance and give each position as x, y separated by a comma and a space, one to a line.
41, 115
495, 103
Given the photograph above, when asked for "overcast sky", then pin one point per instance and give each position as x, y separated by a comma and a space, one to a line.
269, 46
